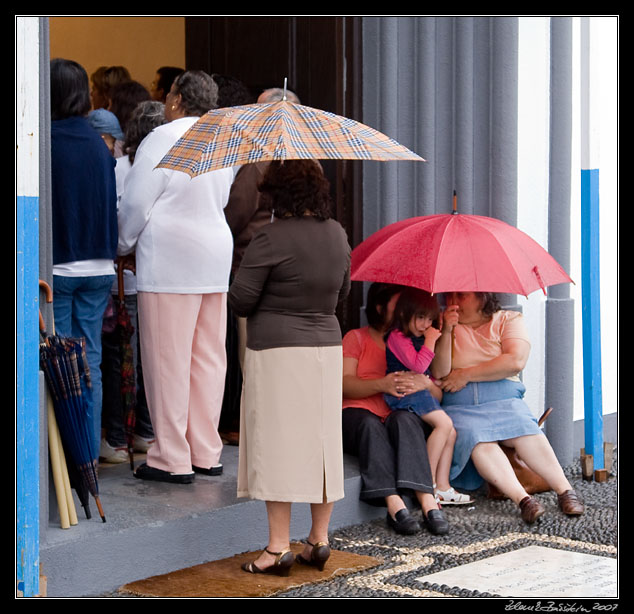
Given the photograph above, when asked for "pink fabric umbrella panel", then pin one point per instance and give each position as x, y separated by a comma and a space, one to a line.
456, 252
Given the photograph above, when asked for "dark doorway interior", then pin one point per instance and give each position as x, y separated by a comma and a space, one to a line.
321, 58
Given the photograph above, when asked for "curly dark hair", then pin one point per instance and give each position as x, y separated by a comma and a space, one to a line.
199, 92
490, 302
293, 188
412, 302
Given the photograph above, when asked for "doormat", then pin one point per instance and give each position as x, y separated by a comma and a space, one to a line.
224, 578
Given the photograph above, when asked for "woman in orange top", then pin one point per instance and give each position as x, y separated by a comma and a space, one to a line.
390, 445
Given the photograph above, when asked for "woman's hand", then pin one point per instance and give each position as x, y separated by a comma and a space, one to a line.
127, 262
455, 381
402, 383
448, 318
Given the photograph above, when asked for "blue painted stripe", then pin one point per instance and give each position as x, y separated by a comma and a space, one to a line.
27, 396
591, 314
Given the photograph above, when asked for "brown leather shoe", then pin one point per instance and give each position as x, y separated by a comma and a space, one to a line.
531, 509
569, 503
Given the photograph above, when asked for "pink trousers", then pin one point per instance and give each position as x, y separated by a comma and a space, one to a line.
184, 364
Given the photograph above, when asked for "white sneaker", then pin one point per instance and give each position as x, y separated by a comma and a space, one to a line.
108, 454
141, 444
451, 497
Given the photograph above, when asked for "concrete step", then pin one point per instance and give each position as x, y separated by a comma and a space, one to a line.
154, 528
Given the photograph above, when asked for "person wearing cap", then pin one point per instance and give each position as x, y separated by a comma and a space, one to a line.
107, 125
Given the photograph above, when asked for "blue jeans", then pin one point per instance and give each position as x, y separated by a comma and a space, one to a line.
78, 307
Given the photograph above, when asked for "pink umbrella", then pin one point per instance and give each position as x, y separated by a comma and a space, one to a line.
456, 252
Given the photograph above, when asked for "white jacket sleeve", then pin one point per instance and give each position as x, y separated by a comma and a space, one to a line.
143, 186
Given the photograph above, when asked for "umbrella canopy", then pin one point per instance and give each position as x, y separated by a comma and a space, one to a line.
456, 252
280, 130
63, 361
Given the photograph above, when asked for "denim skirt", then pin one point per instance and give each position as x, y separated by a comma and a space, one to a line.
484, 412
419, 403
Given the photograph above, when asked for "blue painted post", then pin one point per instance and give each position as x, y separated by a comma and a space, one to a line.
27, 309
590, 272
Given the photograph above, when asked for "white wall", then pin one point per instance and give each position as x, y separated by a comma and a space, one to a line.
534, 75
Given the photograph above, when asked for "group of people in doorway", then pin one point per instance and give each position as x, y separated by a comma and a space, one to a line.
422, 395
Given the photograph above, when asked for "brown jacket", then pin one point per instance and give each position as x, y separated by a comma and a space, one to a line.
293, 274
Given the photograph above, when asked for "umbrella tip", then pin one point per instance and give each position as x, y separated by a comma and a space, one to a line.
455, 203
285, 83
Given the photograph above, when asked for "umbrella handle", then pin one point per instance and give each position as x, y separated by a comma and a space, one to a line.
123, 263
49, 299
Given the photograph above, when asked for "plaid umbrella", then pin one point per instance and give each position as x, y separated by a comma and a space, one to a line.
63, 361
280, 130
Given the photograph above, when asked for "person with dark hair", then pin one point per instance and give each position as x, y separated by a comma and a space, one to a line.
162, 84
410, 344
293, 274
390, 445
177, 228
102, 81
143, 119
483, 395
232, 92
124, 98
84, 220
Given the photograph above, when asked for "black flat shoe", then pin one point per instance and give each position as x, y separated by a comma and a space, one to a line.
282, 566
215, 470
403, 522
145, 472
436, 522
318, 557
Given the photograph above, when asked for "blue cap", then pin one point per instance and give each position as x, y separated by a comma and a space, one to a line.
105, 122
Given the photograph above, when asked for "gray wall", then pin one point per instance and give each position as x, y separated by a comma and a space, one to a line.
445, 87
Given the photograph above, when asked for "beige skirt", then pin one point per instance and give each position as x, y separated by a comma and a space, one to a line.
290, 425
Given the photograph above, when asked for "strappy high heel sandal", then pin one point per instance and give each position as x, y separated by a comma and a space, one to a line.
283, 562
318, 557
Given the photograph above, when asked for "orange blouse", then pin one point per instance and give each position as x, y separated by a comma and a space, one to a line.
359, 344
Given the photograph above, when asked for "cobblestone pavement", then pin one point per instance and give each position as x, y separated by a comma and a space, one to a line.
481, 530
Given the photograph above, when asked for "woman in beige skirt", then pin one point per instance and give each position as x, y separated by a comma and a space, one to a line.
293, 274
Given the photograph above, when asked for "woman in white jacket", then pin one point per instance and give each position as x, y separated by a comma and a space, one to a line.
183, 247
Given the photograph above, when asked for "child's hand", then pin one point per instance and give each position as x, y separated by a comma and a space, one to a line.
431, 336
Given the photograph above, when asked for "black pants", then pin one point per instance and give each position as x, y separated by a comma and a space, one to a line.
392, 454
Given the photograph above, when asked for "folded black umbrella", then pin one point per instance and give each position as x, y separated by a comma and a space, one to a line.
63, 361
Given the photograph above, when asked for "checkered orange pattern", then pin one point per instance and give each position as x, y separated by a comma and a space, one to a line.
276, 131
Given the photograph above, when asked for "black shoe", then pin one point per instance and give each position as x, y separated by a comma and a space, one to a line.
283, 562
145, 472
436, 522
318, 557
215, 470
403, 522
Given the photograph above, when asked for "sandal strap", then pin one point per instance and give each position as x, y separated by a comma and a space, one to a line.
277, 555
318, 544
